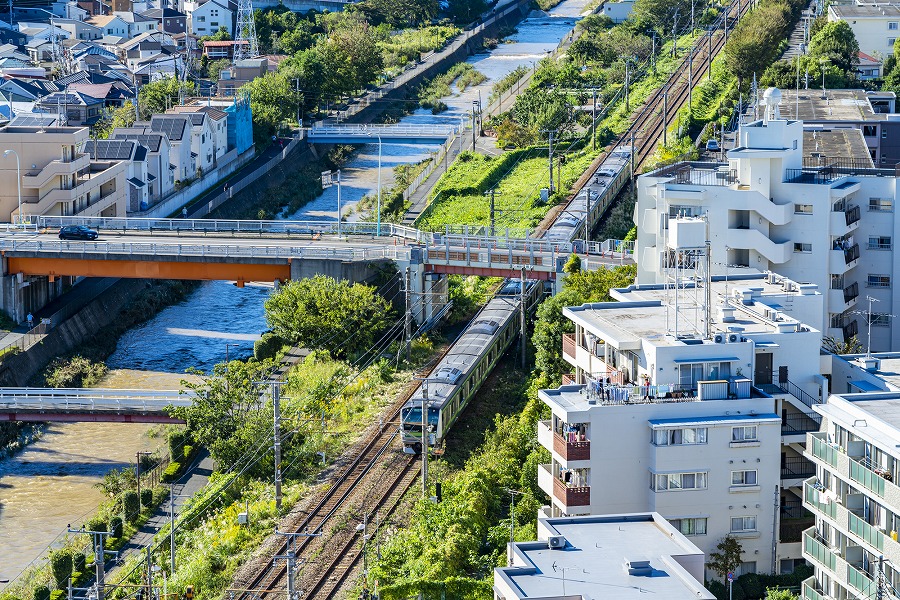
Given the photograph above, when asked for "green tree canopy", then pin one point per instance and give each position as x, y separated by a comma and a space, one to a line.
323, 313
158, 96
273, 100
727, 558
753, 44
465, 11
221, 35
659, 15
352, 56
836, 43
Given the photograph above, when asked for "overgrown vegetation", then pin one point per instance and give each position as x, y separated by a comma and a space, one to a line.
75, 372
431, 93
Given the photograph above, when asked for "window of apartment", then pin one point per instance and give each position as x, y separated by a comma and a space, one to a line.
870, 130
213, 23
892, 25
747, 567
692, 526
879, 242
881, 319
679, 437
801, 247
202, 19
743, 478
690, 374
677, 481
745, 433
879, 281
803, 209
742, 524
891, 42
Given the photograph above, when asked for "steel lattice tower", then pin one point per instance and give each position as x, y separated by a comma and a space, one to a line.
246, 32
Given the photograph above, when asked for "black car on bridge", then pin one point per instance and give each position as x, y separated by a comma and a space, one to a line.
77, 232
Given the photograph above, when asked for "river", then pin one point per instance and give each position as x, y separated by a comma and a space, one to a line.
51, 483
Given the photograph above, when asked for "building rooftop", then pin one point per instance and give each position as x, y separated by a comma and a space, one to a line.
887, 366
592, 563
644, 314
873, 415
847, 143
864, 11
837, 105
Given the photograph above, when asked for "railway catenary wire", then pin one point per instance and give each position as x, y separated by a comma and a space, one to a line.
270, 582
647, 128
341, 561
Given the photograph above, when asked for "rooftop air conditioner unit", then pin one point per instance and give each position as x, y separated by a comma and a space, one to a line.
734, 338
556, 542
719, 338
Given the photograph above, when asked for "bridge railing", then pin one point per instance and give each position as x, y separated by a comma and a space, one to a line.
373, 131
90, 399
228, 226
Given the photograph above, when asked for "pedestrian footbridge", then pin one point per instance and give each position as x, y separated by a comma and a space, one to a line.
367, 134
90, 404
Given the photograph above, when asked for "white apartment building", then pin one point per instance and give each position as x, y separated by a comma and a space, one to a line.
714, 423
876, 26
205, 18
614, 557
825, 221
854, 496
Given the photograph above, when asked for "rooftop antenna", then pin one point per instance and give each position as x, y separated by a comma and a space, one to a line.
868, 315
245, 44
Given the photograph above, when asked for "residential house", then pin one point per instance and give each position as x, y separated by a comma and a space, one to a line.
214, 126
215, 50
58, 178
111, 25
168, 19
77, 108
206, 18
137, 23
241, 72
79, 30
876, 26
135, 157
177, 129
869, 67
160, 170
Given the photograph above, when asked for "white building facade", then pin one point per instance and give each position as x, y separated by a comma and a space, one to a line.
830, 223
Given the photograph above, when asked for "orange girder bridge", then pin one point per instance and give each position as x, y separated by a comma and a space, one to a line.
150, 269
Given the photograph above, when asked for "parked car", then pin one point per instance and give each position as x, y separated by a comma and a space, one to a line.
712, 146
77, 232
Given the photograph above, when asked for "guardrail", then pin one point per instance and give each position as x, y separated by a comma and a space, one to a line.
163, 248
373, 131
88, 399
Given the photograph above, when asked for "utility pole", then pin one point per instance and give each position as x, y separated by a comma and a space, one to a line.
290, 556
408, 316
339, 203
276, 434
522, 317
490, 194
550, 157
690, 75
594, 118
709, 54
627, 74
425, 439
653, 54
512, 520
675, 35
99, 556
172, 525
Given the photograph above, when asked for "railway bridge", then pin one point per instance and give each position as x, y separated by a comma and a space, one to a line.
91, 404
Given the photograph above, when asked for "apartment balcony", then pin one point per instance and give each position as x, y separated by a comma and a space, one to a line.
810, 590
845, 221
568, 496
841, 260
841, 299
569, 346
55, 168
796, 468
101, 181
799, 424
566, 449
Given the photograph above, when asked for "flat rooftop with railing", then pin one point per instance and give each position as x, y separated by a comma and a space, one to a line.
876, 414
697, 172
578, 397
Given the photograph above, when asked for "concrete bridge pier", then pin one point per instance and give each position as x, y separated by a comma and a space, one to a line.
21, 294
429, 291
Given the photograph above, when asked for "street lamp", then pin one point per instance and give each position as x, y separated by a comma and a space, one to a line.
475, 109
18, 178
378, 210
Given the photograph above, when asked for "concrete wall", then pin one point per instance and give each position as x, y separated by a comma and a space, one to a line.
17, 370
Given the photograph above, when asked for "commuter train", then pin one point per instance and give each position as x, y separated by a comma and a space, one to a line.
466, 365
602, 188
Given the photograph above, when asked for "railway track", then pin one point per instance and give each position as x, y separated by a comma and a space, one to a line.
376, 461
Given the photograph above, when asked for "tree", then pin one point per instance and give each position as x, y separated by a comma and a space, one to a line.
227, 416
753, 44
122, 116
727, 558
352, 56
221, 35
306, 70
273, 100
61, 567
835, 346
539, 109
776, 594
215, 67
659, 15
323, 313
836, 43
573, 265
397, 13
465, 11
158, 96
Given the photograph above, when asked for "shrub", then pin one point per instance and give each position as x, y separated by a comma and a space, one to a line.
188, 452
737, 591
61, 567
268, 345
115, 526
78, 561
176, 441
171, 472
131, 504
59, 594
75, 372
146, 498
96, 524
752, 586
41, 592
718, 589
573, 265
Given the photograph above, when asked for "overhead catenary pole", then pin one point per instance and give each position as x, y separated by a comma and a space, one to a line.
99, 560
522, 317
276, 405
408, 317
665, 116
425, 439
594, 120
339, 203
550, 158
